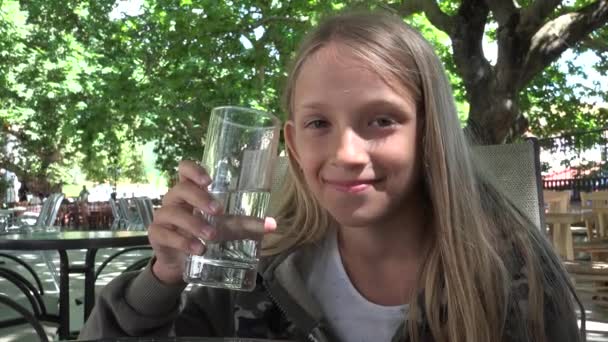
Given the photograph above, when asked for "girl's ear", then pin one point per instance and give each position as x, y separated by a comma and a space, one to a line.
290, 139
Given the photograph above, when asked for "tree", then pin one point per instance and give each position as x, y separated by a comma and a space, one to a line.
530, 38
55, 105
33, 101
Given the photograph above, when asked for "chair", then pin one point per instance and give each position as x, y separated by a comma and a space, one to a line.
29, 318
516, 169
591, 223
592, 276
47, 216
280, 171
33, 295
559, 202
119, 221
133, 221
598, 203
46, 219
145, 211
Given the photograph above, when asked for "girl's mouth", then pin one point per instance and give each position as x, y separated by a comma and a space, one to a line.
351, 186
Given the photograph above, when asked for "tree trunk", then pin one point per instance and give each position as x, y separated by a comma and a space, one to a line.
494, 117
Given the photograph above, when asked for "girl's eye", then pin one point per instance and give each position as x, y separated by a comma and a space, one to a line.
383, 122
316, 124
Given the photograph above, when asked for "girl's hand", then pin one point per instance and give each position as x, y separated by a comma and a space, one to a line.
178, 225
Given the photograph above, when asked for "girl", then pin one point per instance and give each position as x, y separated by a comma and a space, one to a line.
387, 230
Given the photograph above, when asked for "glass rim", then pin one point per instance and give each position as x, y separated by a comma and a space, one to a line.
275, 120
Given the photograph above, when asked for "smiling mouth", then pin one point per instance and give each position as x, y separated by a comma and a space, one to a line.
352, 186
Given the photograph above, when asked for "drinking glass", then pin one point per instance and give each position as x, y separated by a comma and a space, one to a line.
240, 151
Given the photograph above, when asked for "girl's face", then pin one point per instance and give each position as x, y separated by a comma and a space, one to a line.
354, 137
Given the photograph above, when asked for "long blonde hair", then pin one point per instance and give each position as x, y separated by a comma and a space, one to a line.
468, 275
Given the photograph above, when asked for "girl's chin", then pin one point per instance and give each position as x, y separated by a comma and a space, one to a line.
356, 220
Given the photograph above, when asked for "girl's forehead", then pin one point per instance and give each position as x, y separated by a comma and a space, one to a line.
336, 63
331, 63
336, 53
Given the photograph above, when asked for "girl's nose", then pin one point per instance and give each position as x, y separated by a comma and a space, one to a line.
350, 149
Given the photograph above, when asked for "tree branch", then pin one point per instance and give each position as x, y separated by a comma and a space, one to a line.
503, 10
467, 37
533, 16
432, 11
561, 33
597, 45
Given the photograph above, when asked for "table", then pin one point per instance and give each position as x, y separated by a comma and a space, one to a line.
12, 212
62, 241
18, 208
562, 235
182, 339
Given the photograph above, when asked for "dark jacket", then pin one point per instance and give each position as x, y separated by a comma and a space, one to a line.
137, 304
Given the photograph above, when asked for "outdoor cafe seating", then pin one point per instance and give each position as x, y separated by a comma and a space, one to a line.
585, 257
53, 233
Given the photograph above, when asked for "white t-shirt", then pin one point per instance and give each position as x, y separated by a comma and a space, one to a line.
351, 317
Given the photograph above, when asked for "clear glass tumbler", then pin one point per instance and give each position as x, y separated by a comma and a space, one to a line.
240, 151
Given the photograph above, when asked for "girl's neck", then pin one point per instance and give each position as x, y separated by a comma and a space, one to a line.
383, 261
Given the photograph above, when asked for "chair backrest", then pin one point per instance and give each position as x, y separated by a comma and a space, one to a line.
27, 315
557, 201
144, 212
49, 210
149, 207
44, 211
278, 178
596, 200
114, 208
585, 201
123, 209
515, 168
54, 210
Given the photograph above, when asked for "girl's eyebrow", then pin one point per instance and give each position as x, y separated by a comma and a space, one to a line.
399, 106
396, 104
383, 102
312, 105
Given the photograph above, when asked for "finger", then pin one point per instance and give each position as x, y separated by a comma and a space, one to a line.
233, 227
164, 237
189, 194
189, 170
182, 219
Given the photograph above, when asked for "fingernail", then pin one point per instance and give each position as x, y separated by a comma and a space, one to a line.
270, 224
214, 206
196, 247
205, 180
208, 232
